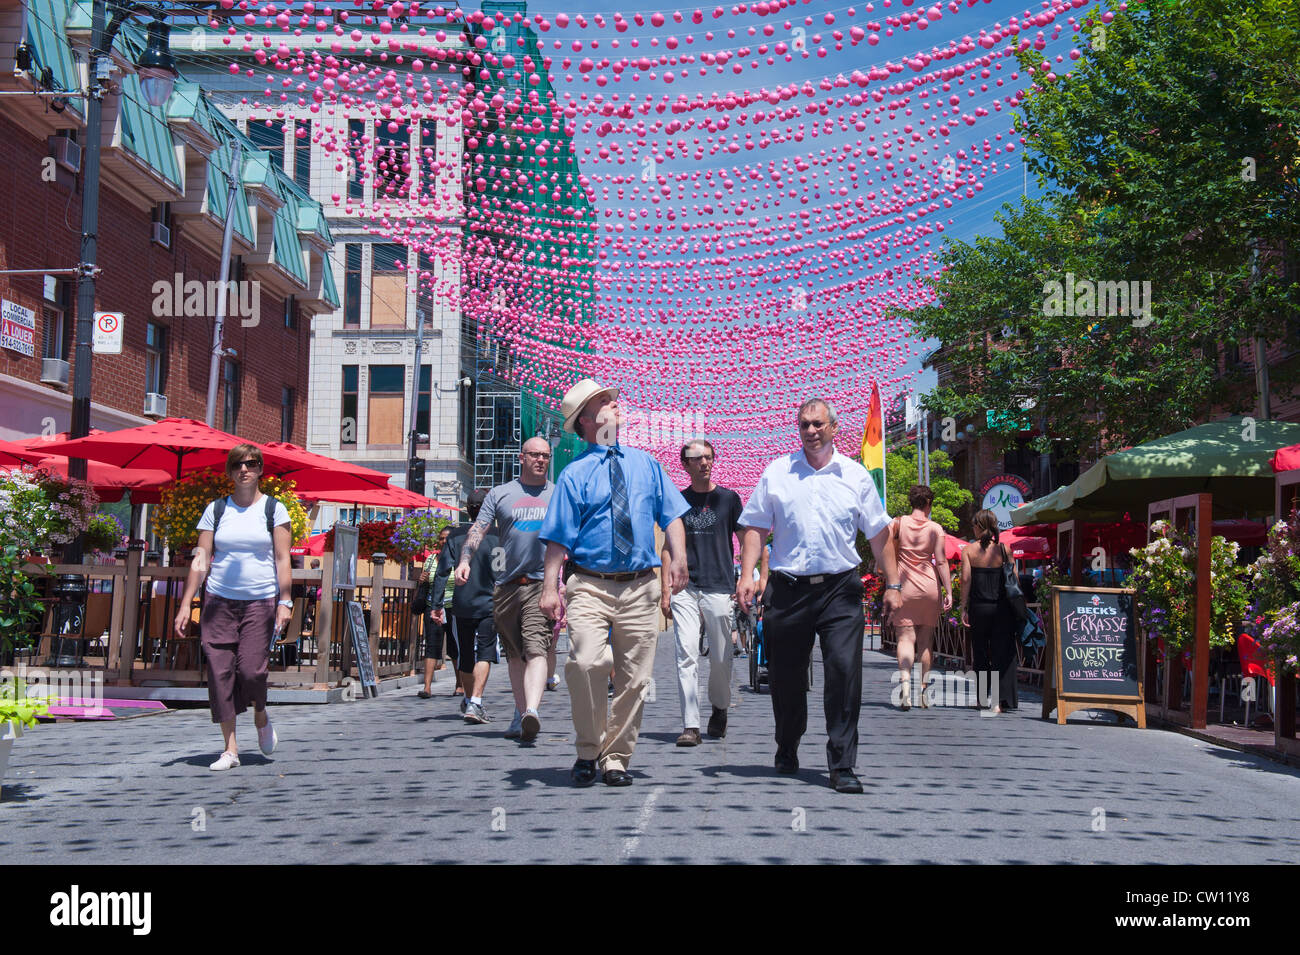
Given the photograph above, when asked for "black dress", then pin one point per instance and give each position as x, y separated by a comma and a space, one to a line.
992, 636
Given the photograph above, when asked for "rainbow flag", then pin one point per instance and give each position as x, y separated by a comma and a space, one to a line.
873, 443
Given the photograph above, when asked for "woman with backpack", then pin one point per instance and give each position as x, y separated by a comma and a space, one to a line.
243, 552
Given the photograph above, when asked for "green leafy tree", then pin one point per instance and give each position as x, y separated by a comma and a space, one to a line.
900, 475
949, 496
1171, 156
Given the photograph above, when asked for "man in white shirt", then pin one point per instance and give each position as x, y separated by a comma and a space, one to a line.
814, 502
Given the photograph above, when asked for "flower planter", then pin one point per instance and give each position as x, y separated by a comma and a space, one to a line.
9, 733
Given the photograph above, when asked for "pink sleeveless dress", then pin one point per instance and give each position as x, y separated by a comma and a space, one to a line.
917, 573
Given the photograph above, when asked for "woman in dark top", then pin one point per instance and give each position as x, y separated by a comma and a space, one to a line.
987, 614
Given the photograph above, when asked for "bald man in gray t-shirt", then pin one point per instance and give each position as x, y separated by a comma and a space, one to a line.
516, 509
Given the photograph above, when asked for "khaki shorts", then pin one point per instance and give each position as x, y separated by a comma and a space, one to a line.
524, 630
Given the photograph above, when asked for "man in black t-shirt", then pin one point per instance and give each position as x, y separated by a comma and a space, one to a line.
710, 524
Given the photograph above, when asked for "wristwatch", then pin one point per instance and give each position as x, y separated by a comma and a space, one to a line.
285, 603
893, 586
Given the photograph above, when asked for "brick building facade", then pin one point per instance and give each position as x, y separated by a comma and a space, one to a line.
162, 201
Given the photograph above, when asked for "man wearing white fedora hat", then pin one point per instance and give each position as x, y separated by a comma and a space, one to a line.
602, 515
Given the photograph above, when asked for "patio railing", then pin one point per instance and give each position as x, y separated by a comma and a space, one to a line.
127, 632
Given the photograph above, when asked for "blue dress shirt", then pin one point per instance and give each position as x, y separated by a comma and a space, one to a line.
579, 517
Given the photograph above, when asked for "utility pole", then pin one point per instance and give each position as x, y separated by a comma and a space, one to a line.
414, 463
218, 350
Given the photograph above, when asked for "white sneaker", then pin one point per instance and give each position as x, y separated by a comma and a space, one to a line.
515, 726
226, 761
266, 739
529, 727
553, 683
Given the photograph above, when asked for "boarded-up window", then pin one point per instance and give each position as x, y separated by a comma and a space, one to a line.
388, 286
386, 419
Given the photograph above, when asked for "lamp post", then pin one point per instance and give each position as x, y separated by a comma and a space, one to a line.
157, 76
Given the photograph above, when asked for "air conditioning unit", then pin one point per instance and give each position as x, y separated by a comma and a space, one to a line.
155, 406
54, 371
66, 153
162, 235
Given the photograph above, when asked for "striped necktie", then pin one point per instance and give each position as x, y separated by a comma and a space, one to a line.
619, 512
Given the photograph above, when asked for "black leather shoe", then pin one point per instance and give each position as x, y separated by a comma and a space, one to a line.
717, 727
583, 772
844, 781
788, 765
617, 777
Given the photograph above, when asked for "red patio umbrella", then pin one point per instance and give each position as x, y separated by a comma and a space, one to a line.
313, 546
952, 546
309, 470
110, 482
377, 497
15, 454
181, 446
1287, 459
178, 446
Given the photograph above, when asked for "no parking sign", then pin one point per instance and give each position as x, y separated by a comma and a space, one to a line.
108, 333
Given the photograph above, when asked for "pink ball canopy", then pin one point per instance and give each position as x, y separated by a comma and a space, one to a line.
721, 210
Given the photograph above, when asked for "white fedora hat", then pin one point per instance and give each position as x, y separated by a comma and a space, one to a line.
576, 398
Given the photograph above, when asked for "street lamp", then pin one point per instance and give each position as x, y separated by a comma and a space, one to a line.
156, 66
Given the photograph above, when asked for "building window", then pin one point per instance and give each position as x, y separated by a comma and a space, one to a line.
424, 403
58, 331
155, 361
348, 419
388, 286
302, 153
429, 155
268, 135
291, 312
385, 419
230, 405
392, 160
352, 286
356, 153
286, 414
161, 227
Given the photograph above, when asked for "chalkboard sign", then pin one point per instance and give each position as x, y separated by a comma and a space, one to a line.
1095, 655
361, 648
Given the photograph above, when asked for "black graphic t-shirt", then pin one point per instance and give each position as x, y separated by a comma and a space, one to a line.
710, 524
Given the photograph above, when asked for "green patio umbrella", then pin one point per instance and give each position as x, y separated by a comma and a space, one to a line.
1231, 459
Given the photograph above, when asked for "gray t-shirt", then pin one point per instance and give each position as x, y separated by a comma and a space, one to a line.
517, 511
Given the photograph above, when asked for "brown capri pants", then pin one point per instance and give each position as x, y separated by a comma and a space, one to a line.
524, 630
236, 637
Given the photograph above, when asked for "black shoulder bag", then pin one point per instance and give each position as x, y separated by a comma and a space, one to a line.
1012, 586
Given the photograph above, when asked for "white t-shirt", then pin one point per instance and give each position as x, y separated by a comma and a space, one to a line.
814, 515
243, 567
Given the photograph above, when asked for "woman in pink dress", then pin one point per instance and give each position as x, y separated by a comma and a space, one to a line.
926, 589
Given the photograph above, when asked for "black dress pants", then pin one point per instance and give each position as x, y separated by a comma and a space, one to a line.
993, 646
795, 612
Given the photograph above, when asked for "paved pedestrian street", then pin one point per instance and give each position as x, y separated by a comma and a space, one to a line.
399, 779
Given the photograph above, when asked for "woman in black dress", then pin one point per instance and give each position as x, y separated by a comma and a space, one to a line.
987, 615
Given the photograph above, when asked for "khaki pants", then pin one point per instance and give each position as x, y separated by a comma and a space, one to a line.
688, 607
630, 608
